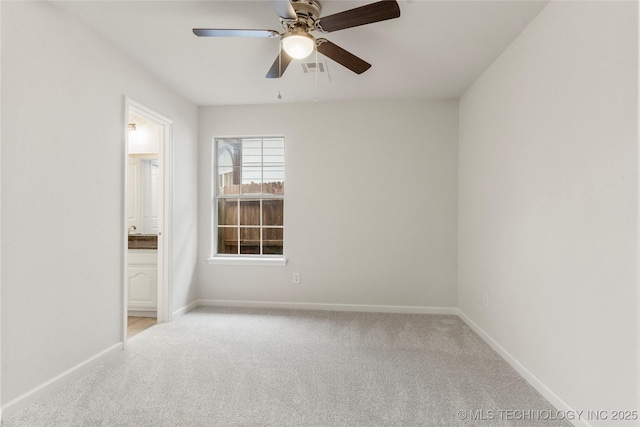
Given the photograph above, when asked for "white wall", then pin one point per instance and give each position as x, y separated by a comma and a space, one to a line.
1, 106
62, 167
370, 208
548, 216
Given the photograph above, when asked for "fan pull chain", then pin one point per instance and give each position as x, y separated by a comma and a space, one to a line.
316, 75
280, 69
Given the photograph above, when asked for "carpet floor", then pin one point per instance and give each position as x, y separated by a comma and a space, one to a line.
273, 367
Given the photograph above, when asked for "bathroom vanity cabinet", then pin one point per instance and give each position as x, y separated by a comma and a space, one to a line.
142, 274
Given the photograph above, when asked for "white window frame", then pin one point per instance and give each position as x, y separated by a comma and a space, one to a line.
239, 259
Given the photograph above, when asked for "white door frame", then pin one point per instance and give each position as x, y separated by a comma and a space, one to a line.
165, 170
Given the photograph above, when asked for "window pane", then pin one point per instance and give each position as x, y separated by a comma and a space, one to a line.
251, 147
272, 241
227, 211
249, 212
227, 240
249, 240
273, 152
273, 212
273, 188
228, 181
273, 174
251, 179
226, 156
251, 166
228, 152
273, 180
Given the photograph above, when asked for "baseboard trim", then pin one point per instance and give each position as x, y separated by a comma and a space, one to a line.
142, 313
32, 396
328, 307
534, 381
184, 310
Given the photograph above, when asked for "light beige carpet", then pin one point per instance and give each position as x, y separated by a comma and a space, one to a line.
268, 367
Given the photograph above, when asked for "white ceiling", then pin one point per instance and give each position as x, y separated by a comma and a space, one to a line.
436, 49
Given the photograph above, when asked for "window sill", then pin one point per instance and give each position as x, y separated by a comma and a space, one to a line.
220, 260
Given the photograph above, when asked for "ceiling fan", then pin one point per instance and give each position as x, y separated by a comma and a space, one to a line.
299, 18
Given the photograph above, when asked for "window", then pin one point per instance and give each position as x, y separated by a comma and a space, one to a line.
249, 198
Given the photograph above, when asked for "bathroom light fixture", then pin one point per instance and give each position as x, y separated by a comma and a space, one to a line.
132, 127
298, 43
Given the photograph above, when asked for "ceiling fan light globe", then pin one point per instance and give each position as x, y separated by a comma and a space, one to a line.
298, 46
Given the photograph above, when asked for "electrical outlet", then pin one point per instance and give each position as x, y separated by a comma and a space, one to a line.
485, 299
296, 277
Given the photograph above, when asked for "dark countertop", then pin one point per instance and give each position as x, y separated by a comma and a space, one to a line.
143, 241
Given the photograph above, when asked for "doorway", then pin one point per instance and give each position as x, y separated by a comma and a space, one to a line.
146, 207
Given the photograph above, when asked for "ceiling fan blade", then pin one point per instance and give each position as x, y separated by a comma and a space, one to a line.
279, 65
284, 9
368, 14
342, 57
219, 32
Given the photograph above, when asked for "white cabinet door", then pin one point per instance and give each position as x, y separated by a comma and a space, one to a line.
143, 287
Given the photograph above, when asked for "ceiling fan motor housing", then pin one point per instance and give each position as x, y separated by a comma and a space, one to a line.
307, 11
307, 8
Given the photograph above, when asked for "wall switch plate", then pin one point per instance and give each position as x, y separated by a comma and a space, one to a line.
296, 277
